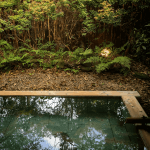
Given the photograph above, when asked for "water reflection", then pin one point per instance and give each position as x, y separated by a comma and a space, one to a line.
57, 123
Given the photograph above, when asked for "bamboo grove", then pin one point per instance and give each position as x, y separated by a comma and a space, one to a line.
60, 19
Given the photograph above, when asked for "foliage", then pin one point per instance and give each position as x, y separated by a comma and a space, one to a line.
141, 76
141, 48
79, 54
123, 61
73, 70
36, 11
6, 45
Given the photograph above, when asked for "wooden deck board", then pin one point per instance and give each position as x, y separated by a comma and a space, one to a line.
69, 93
136, 110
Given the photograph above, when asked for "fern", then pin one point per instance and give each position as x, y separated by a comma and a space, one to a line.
124, 61
87, 52
27, 61
36, 51
78, 51
101, 67
124, 71
45, 46
40, 60
55, 61
92, 59
27, 45
6, 45
10, 58
46, 65
5, 54
95, 59
26, 54
24, 49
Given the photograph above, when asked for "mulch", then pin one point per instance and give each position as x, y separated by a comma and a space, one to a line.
35, 79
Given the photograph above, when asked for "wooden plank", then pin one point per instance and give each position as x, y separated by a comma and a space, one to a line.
136, 110
69, 93
133, 106
137, 120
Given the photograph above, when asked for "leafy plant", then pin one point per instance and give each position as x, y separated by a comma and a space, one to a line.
6, 45
21, 21
72, 70
31, 73
123, 61
141, 46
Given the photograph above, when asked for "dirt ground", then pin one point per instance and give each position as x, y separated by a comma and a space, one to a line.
35, 79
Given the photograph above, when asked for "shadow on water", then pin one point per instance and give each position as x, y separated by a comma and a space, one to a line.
59, 123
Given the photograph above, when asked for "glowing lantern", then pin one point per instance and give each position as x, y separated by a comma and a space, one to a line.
105, 52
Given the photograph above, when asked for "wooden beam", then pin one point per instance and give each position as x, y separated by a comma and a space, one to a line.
136, 110
69, 93
137, 120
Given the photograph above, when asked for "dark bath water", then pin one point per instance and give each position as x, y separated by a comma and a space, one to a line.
58, 123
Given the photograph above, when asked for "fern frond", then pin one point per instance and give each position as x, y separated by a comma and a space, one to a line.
92, 59
6, 45
87, 52
103, 66
24, 55
125, 61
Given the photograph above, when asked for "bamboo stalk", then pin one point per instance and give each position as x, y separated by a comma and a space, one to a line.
67, 47
111, 32
35, 33
106, 35
104, 32
8, 36
16, 41
11, 30
15, 35
41, 32
7, 30
48, 29
20, 39
44, 30
114, 37
54, 29
120, 31
1, 12
38, 29
141, 13
29, 37
23, 36
61, 31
